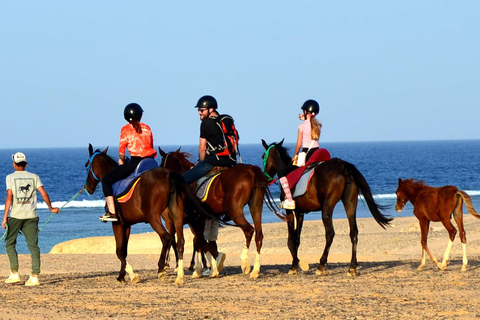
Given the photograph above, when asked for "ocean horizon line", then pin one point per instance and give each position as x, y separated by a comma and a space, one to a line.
247, 144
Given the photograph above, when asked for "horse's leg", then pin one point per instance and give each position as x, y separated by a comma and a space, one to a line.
157, 226
200, 246
351, 210
424, 226
173, 245
194, 255
451, 233
256, 206
294, 224
458, 216
329, 235
121, 233
239, 219
176, 207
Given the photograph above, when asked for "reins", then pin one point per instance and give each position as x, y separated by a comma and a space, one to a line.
73, 198
51, 216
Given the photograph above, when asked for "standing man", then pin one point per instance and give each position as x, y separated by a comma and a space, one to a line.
211, 143
22, 189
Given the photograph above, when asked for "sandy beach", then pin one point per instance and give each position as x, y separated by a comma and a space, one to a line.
78, 279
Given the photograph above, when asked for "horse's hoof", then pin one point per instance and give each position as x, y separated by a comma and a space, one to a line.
293, 271
246, 267
320, 272
352, 273
464, 268
254, 275
420, 268
134, 279
196, 275
179, 281
162, 276
303, 265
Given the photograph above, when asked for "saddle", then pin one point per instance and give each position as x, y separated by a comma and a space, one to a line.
317, 157
202, 186
123, 189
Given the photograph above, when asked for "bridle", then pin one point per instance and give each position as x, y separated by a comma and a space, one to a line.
265, 159
90, 163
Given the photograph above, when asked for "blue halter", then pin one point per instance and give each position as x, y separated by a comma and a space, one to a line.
90, 162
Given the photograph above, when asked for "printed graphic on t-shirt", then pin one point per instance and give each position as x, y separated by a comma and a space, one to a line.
24, 189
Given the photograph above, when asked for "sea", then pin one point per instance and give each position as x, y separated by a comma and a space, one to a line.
63, 173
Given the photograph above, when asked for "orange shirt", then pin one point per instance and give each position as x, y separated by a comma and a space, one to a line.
138, 145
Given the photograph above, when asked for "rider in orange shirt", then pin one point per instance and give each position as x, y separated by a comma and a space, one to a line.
137, 137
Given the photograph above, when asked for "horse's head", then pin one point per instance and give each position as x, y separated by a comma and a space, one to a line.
175, 161
275, 157
98, 165
401, 196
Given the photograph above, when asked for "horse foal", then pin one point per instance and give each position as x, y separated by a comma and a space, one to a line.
436, 204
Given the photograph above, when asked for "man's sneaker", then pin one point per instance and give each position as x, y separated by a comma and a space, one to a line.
14, 278
220, 259
288, 204
207, 272
32, 281
108, 217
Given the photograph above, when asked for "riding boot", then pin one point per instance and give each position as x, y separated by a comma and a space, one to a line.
288, 203
110, 215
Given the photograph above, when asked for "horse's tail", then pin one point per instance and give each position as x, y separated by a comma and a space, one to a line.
373, 206
179, 186
468, 203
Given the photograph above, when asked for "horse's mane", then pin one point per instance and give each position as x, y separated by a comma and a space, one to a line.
108, 158
183, 158
283, 152
416, 182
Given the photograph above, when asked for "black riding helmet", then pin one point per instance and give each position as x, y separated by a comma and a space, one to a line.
207, 102
311, 106
133, 112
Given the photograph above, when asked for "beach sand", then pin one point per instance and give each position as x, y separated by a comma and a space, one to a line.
78, 279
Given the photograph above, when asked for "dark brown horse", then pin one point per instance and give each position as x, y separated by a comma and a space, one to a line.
332, 181
156, 191
236, 187
436, 204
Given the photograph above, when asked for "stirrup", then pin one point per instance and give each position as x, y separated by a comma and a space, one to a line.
288, 204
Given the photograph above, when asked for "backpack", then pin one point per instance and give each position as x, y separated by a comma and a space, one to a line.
230, 137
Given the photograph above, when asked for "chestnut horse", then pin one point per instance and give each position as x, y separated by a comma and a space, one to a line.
157, 190
436, 204
234, 188
332, 181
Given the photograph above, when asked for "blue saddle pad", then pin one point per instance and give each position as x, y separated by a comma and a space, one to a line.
301, 186
121, 186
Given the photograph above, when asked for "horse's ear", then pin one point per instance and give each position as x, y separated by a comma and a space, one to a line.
105, 151
281, 142
399, 181
265, 145
90, 149
178, 150
162, 153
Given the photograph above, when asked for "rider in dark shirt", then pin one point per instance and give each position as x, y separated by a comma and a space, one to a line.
211, 141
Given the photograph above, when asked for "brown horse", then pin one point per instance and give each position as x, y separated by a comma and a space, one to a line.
234, 188
156, 191
332, 181
436, 204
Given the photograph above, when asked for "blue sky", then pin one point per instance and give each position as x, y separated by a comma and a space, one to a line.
380, 70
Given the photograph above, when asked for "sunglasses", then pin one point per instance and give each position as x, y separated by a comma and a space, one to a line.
202, 110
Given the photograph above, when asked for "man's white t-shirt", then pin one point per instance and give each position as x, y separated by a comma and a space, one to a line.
24, 187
